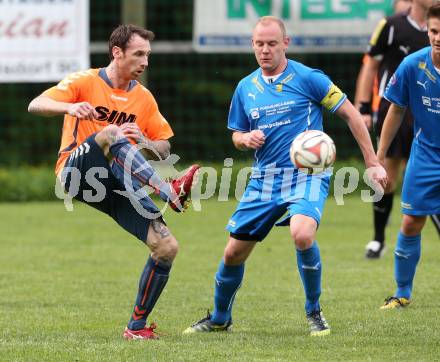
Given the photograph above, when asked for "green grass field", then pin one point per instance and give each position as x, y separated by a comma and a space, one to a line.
68, 282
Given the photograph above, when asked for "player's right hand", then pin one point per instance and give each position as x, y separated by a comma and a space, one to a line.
378, 175
82, 110
254, 139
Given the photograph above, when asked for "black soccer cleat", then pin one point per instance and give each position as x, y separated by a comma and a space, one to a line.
375, 249
206, 325
318, 324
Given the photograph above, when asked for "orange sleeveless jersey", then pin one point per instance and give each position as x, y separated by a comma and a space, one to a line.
115, 106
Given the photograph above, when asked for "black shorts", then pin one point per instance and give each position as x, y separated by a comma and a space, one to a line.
401, 145
96, 186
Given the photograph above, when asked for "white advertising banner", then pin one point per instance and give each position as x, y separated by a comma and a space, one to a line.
43, 40
313, 25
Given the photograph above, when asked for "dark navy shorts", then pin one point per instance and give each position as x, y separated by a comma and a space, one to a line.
89, 179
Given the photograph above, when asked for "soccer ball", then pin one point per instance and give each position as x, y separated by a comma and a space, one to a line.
313, 151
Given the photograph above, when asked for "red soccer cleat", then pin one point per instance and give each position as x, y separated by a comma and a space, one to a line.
145, 333
182, 187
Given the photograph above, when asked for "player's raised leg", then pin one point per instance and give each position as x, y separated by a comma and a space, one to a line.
128, 159
228, 280
153, 279
406, 258
303, 230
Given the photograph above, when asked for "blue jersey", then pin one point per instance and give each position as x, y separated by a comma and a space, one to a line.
416, 84
282, 110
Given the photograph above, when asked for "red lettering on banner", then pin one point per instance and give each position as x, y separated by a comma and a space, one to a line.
35, 27
58, 28
11, 26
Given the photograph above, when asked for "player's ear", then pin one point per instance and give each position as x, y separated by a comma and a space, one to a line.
286, 41
117, 52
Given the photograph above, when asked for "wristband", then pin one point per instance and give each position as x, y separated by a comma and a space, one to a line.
365, 108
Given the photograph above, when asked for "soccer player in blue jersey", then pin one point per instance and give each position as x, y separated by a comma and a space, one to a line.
393, 39
415, 85
279, 100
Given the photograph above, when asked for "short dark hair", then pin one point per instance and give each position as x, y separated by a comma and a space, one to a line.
434, 11
122, 35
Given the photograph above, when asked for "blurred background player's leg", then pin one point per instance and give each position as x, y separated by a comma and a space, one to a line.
382, 210
436, 221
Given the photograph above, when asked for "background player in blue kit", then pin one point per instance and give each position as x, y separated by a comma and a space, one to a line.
281, 99
415, 85
393, 39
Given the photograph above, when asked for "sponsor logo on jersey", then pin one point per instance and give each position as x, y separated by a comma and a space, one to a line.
275, 124
275, 109
255, 114
432, 104
426, 101
114, 116
279, 87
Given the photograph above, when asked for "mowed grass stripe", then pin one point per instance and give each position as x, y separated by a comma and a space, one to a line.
68, 281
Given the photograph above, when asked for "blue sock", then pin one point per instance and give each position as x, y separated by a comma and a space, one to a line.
406, 257
153, 280
309, 267
227, 281
140, 173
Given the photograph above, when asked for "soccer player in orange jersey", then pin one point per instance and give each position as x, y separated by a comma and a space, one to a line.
112, 124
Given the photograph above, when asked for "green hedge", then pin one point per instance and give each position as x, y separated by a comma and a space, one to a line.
27, 184
38, 183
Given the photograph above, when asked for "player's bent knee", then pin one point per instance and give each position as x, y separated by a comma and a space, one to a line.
412, 225
233, 256
303, 238
165, 249
303, 231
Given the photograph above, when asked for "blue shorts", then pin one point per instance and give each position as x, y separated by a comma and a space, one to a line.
421, 184
89, 159
262, 204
